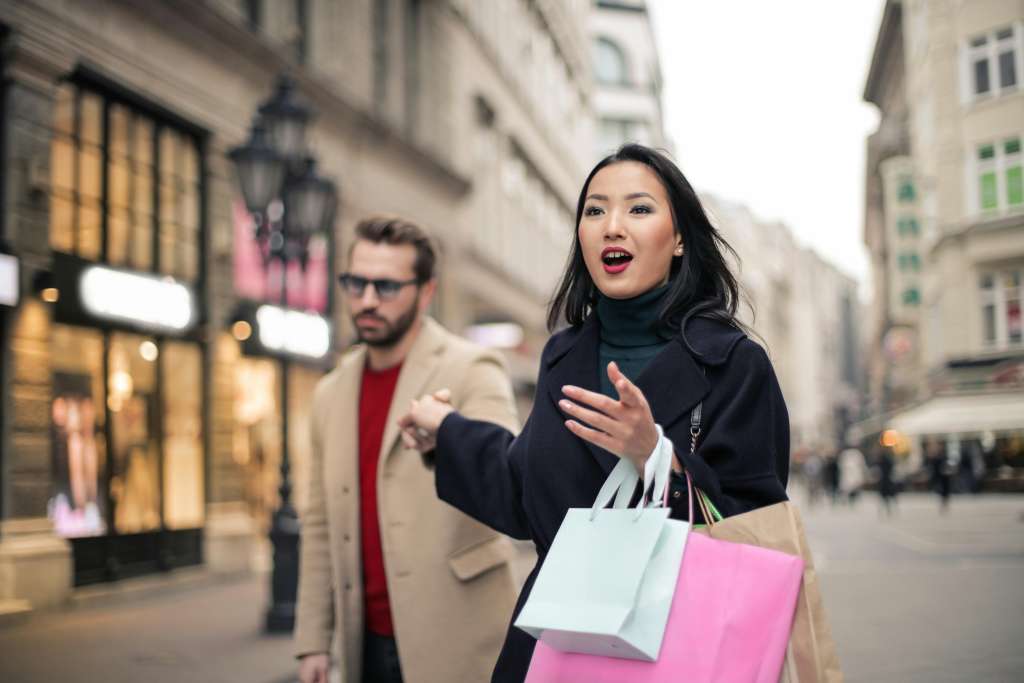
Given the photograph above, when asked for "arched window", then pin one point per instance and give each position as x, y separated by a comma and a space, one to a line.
610, 63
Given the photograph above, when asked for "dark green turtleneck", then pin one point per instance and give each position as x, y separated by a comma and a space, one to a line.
631, 334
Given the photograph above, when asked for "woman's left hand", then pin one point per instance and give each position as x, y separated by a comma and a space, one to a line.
624, 427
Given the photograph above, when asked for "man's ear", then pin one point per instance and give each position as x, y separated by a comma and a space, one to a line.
427, 290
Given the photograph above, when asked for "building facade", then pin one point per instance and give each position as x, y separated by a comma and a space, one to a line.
804, 311
627, 77
951, 74
144, 409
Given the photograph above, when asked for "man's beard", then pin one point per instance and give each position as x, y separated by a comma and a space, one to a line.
393, 332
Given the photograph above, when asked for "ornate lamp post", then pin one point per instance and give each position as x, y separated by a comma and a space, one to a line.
289, 204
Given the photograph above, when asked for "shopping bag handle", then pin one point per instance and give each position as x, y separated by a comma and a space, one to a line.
621, 482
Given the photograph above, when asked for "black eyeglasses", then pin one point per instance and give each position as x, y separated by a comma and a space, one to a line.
355, 285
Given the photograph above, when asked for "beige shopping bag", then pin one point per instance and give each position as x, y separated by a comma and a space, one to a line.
811, 656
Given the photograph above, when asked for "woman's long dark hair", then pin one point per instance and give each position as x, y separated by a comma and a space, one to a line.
700, 281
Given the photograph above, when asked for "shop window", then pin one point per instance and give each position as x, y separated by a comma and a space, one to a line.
78, 506
146, 173
151, 476
182, 435
257, 442
258, 420
134, 448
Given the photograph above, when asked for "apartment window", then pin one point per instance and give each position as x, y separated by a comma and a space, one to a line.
610, 63
911, 296
1001, 295
992, 63
908, 227
125, 185
413, 48
302, 31
910, 261
906, 192
254, 14
999, 181
381, 19
612, 133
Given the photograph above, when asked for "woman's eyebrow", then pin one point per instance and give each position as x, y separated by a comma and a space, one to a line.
633, 195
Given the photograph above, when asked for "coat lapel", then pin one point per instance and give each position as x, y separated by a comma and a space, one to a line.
672, 382
417, 370
577, 365
342, 426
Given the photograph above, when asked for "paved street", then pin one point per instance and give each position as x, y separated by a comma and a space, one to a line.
206, 632
922, 597
918, 597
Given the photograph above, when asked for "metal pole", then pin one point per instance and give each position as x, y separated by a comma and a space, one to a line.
284, 528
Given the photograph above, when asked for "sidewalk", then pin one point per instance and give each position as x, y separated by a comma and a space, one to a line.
202, 631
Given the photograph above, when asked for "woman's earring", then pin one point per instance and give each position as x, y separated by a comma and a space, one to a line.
679, 250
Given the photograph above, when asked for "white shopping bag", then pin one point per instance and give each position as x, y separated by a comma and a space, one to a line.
607, 583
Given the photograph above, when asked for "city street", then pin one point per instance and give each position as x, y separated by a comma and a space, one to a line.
923, 597
916, 597
204, 630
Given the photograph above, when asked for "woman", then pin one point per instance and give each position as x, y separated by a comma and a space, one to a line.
651, 305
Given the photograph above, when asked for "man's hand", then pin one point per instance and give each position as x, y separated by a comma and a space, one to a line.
419, 427
313, 668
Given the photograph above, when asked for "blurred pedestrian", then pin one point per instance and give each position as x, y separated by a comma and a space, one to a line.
813, 470
853, 474
410, 588
940, 471
651, 306
885, 468
831, 476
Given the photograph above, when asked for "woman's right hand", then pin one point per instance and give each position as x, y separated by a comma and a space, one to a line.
419, 426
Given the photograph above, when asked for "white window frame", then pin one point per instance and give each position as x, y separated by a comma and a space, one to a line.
990, 52
623, 58
1000, 164
997, 297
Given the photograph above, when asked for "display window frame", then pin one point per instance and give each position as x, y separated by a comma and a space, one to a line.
114, 555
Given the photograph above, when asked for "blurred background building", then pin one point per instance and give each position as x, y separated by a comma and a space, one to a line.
143, 417
805, 312
627, 76
142, 424
944, 222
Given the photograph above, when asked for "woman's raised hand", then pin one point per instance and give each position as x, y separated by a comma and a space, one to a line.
624, 427
419, 426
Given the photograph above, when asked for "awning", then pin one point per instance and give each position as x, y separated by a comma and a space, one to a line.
963, 414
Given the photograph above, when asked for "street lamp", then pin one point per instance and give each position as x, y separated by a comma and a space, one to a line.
289, 204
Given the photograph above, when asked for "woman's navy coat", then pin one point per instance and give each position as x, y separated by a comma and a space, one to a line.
522, 486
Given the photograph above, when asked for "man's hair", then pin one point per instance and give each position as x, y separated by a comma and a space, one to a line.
394, 230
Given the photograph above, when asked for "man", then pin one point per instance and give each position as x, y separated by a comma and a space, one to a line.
413, 590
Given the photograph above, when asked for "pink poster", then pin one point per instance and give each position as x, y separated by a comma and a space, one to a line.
306, 291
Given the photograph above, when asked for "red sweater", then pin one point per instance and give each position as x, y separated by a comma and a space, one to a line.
378, 388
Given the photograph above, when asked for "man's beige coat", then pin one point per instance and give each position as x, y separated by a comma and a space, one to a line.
449, 580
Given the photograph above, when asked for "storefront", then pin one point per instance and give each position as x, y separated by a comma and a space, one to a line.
127, 407
278, 354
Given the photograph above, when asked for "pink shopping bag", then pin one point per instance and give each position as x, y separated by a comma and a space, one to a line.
729, 623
